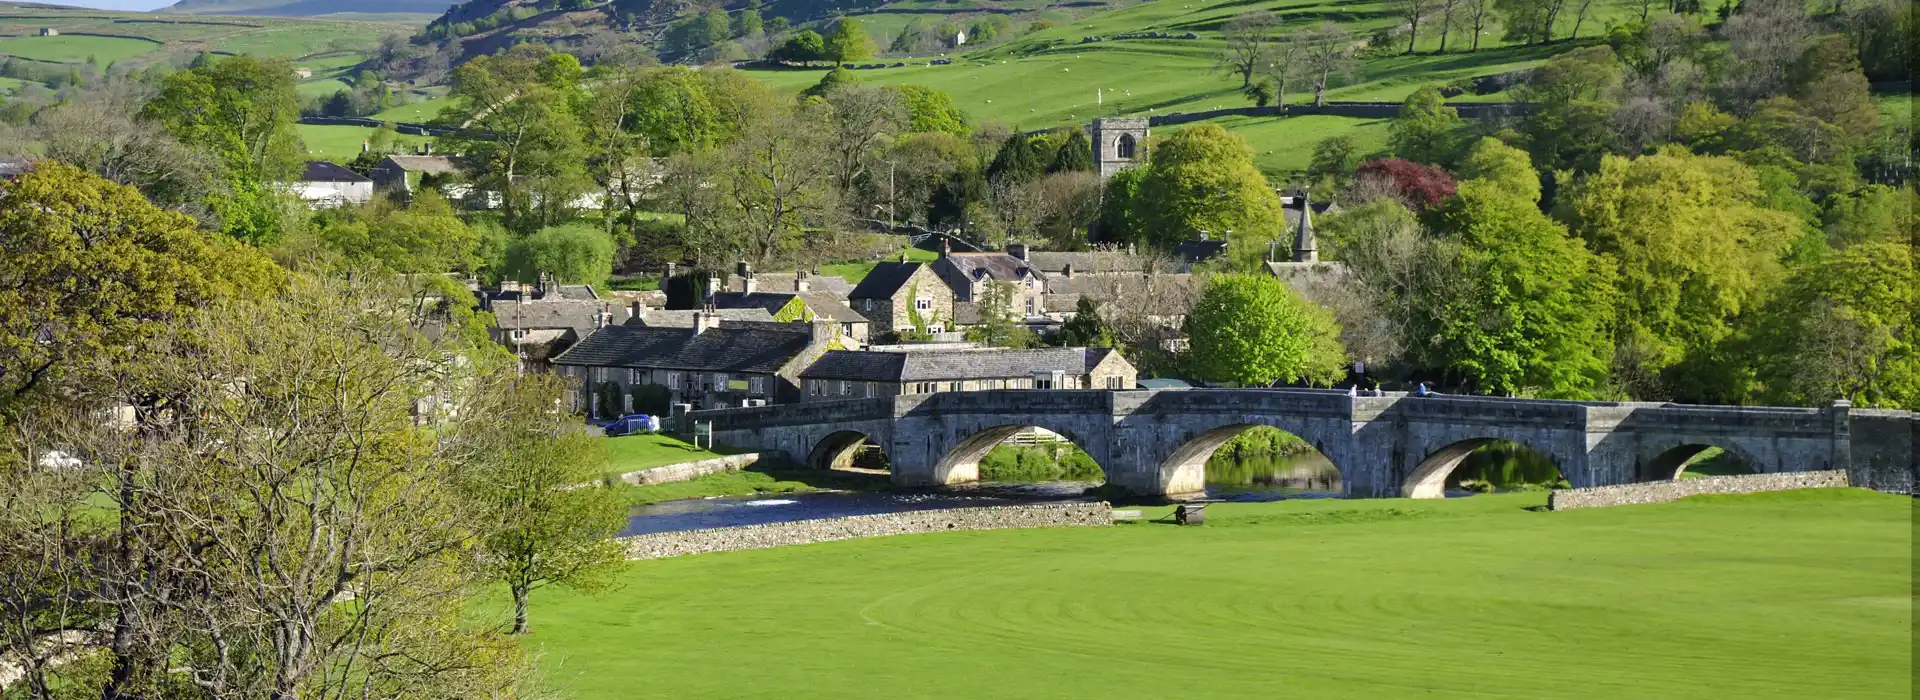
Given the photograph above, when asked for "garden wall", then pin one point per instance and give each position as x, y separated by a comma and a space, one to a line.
1664, 491
674, 544
688, 471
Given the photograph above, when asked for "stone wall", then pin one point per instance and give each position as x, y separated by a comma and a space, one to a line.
1664, 491
687, 471
674, 544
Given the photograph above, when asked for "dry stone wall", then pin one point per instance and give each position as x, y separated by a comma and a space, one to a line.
1664, 491
675, 544
687, 471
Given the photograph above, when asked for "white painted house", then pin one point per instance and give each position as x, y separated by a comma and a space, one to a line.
325, 184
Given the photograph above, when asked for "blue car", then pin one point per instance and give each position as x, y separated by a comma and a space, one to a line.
632, 424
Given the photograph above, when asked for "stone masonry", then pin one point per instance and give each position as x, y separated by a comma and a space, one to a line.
727, 539
688, 471
1158, 442
1664, 491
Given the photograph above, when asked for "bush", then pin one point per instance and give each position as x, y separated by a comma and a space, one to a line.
1022, 464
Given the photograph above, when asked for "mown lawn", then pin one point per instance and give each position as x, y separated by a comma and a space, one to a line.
104, 50
631, 453
1791, 595
342, 143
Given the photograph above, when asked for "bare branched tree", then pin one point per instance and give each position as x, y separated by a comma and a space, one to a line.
1329, 53
1248, 36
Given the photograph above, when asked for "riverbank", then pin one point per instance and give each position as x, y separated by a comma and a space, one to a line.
1324, 598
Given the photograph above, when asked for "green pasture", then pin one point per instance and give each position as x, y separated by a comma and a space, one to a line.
856, 271
631, 453
1786, 595
75, 49
342, 143
417, 112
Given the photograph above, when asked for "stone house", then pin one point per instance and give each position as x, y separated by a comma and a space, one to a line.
864, 374
895, 292
408, 174
970, 274
801, 304
715, 364
324, 184
536, 331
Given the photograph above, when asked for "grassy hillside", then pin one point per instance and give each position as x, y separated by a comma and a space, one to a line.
313, 8
1049, 77
328, 48
1786, 595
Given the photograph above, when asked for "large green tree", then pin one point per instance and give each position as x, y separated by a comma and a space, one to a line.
575, 253
1253, 330
89, 270
1532, 315
1844, 328
931, 111
242, 110
425, 236
533, 483
1694, 251
1425, 130
848, 42
1202, 179
518, 133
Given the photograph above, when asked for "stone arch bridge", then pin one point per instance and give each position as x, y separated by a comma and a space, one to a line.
1158, 442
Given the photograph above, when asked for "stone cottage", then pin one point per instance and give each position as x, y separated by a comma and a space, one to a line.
715, 364
970, 274
894, 292
324, 184
854, 374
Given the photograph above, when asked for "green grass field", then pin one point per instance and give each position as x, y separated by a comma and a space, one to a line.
856, 271
76, 49
630, 453
1787, 595
342, 143
418, 112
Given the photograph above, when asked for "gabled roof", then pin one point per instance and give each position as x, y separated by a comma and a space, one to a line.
1092, 261
1197, 251
885, 281
435, 165
828, 306
580, 316
770, 302
952, 365
324, 171
659, 318
999, 266
761, 348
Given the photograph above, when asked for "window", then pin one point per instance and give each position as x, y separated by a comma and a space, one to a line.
599, 374
1114, 383
519, 334
937, 328
814, 388
923, 304
956, 386
846, 388
757, 385
866, 304
626, 402
870, 389
1039, 383
1029, 306
635, 376
673, 381
924, 387
1123, 148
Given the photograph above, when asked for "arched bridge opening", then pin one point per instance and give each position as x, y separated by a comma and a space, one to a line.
848, 450
1018, 453
1694, 460
1482, 465
1249, 457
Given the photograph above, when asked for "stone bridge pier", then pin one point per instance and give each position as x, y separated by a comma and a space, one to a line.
1158, 442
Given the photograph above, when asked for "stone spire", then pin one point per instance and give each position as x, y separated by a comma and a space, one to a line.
1304, 249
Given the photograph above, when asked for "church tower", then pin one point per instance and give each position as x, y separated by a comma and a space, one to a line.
1118, 144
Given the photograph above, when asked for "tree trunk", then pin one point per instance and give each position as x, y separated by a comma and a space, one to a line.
1446, 27
1413, 32
519, 610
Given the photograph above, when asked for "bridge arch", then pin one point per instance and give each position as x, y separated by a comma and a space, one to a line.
1185, 469
838, 448
1671, 460
1428, 479
960, 463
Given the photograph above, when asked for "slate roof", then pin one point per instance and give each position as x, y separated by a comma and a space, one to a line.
827, 305
435, 165
783, 282
1151, 291
885, 281
550, 314
770, 302
1094, 261
582, 292
324, 171
999, 266
948, 365
759, 348
659, 318
1197, 251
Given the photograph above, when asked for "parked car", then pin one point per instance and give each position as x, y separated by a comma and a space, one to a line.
633, 424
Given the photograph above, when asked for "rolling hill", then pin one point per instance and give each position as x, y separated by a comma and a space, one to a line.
413, 11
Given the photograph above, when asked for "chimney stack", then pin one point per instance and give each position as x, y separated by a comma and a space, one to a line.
706, 319
946, 246
748, 284
605, 317
1067, 270
822, 332
636, 310
801, 284
670, 270
713, 287
1018, 250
